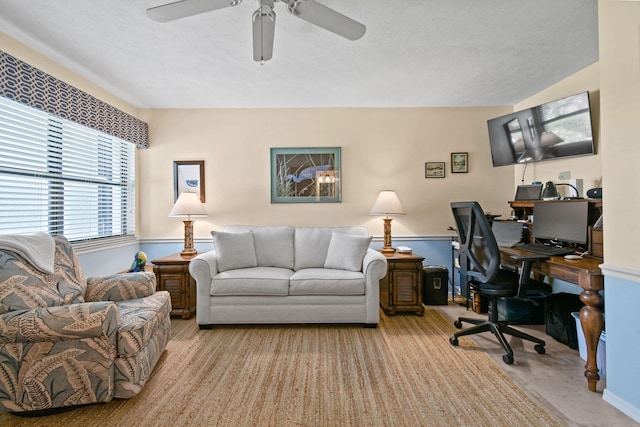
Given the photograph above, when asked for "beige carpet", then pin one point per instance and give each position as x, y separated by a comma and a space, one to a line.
404, 373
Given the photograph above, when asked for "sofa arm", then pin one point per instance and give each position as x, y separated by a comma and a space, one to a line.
374, 266
202, 268
120, 287
64, 322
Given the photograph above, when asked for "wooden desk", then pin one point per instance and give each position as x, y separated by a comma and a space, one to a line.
585, 273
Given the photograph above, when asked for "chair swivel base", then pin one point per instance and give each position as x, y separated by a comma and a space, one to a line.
498, 329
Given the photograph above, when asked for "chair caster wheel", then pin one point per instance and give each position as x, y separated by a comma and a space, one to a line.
508, 359
457, 324
453, 341
540, 349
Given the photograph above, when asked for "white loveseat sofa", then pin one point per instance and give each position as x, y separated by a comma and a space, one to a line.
284, 274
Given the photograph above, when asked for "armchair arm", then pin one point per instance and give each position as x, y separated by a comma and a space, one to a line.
64, 322
120, 287
525, 270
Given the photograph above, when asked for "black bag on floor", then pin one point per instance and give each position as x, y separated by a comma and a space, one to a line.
558, 320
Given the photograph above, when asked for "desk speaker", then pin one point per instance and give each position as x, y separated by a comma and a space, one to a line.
595, 193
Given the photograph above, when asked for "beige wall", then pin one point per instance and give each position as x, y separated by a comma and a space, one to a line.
381, 149
620, 83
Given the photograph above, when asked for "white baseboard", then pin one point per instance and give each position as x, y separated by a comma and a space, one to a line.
621, 405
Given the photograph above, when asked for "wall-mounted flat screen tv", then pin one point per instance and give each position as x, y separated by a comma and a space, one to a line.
556, 129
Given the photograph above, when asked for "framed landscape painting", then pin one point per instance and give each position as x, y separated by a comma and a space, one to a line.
434, 170
459, 162
306, 175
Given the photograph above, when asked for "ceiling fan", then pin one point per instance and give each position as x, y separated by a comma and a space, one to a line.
264, 19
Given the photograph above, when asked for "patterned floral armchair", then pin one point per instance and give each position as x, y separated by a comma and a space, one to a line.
66, 340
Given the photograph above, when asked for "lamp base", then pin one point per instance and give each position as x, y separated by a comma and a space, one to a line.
188, 253
387, 248
189, 250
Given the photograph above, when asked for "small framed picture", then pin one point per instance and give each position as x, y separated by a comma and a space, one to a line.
434, 170
459, 162
188, 176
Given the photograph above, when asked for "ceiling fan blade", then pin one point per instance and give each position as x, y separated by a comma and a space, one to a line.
182, 9
324, 17
264, 26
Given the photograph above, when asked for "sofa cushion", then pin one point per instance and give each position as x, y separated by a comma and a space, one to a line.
325, 281
347, 251
312, 244
251, 281
234, 250
274, 246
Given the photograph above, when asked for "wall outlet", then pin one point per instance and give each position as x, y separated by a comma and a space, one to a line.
564, 175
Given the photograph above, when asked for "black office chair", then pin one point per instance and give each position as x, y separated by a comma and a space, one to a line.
480, 265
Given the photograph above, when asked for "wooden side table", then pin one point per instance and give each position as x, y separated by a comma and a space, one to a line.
401, 288
172, 274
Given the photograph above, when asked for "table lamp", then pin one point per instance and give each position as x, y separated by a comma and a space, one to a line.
188, 205
387, 204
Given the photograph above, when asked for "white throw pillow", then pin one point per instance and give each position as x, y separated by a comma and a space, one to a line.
234, 250
347, 251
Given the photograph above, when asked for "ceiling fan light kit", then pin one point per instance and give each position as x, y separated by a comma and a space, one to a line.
264, 19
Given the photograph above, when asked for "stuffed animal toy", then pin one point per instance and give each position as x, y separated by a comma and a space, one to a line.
139, 261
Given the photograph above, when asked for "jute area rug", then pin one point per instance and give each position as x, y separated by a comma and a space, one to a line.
404, 373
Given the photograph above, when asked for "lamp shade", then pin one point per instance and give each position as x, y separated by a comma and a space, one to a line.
188, 204
387, 203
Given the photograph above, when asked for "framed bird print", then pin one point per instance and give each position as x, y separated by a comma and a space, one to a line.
188, 176
306, 175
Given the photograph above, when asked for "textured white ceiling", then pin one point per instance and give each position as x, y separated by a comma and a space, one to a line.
415, 52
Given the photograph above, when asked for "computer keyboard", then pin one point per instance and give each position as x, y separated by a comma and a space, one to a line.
541, 249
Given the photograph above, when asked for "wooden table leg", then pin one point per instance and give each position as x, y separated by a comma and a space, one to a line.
592, 324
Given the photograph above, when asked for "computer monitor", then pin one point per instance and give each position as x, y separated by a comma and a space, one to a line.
564, 221
529, 192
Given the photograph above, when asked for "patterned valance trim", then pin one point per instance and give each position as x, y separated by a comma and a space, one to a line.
28, 85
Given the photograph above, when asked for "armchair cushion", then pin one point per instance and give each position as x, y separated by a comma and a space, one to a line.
120, 287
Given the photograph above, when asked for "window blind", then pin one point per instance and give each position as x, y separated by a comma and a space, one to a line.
63, 178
